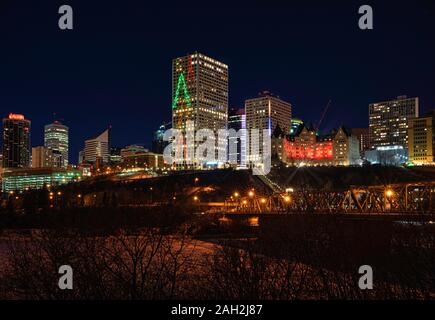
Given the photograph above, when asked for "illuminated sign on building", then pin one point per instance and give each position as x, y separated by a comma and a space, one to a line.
14, 116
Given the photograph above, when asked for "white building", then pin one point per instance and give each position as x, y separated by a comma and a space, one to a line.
98, 147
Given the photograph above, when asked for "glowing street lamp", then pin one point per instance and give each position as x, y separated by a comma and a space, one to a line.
263, 200
236, 194
251, 193
287, 199
389, 193
195, 198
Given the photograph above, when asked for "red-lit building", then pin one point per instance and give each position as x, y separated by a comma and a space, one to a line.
339, 148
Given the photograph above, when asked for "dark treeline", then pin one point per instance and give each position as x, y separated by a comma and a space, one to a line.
149, 264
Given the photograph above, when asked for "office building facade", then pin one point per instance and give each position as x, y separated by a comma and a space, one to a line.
421, 140
43, 157
265, 112
56, 138
199, 96
388, 121
16, 141
98, 149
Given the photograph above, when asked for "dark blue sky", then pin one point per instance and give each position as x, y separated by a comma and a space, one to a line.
115, 66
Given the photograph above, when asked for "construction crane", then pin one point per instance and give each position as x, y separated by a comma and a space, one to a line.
323, 115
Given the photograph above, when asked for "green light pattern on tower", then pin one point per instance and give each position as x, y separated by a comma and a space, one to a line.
181, 82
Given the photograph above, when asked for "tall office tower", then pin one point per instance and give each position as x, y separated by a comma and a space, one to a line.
199, 94
421, 143
16, 141
266, 112
56, 138
388, 121
364, 139
98, 148
237, 121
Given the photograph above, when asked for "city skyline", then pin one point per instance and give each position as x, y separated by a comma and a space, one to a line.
211, 158
130, 89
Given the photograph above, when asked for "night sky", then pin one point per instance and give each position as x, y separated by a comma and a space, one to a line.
115, 66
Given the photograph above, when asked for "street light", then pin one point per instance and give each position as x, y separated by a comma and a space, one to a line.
263, 200
251, 193
195, 198
389, 193
236, 194
287, 199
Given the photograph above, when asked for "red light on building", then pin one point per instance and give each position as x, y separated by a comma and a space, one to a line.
304, 151
14, 116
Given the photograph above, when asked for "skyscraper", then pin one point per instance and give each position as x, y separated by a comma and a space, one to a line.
265, 112
16, 141
56, 138
199, 93
98, 148
388, 121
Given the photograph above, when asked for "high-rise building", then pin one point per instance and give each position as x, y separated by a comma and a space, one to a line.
363, 136
43, 157
16, 141
199, 94
56, 138
388, 121
237, 121
265, 112
98, 148
421, 142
